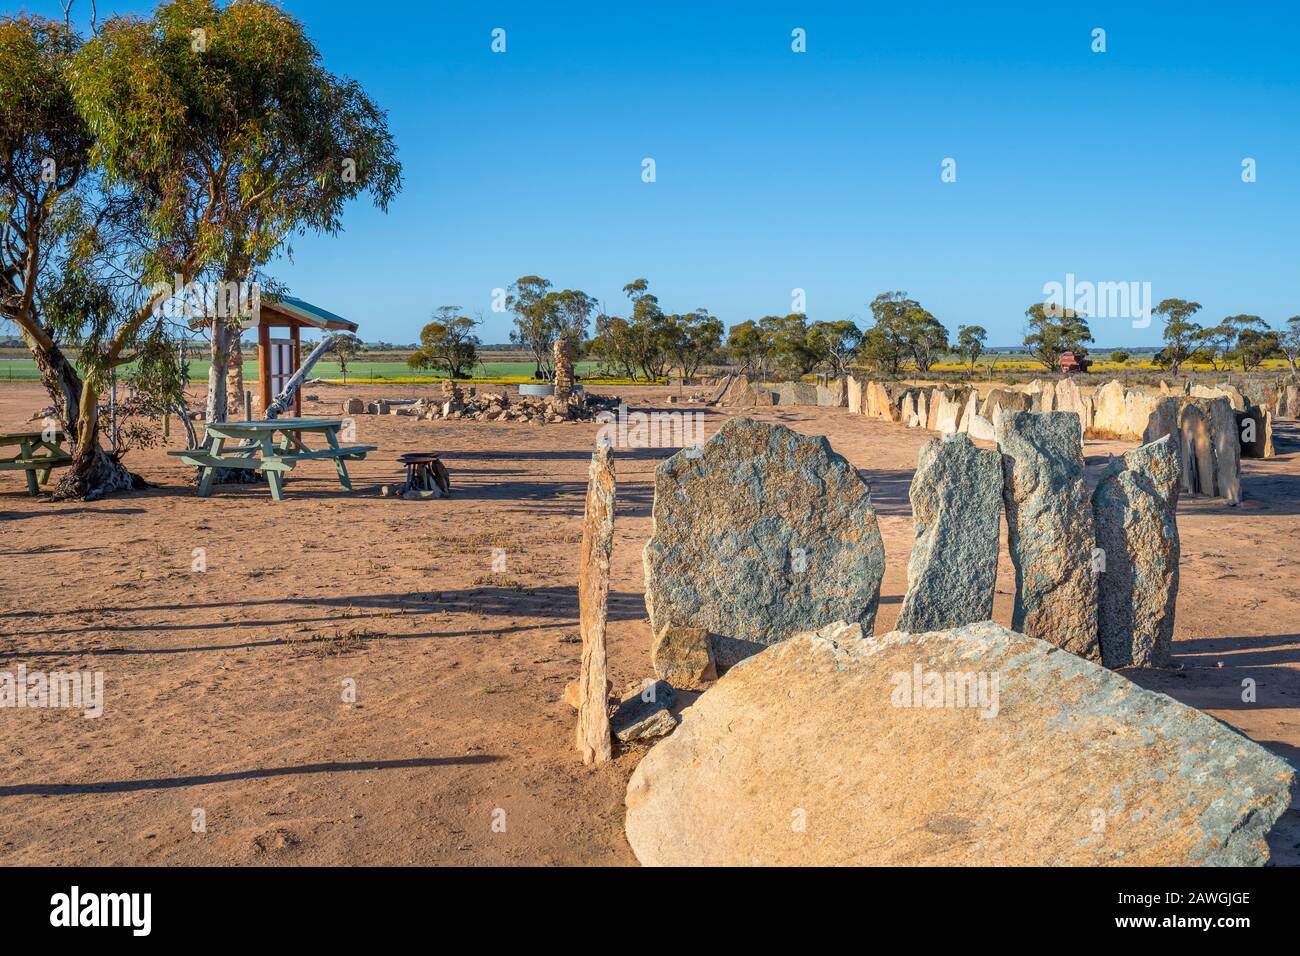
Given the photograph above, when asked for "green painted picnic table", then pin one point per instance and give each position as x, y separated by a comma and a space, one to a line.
27, 459
253, 446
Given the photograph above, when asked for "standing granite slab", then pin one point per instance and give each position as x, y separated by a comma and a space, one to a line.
1050, 529
853, 393
1135, 509
798, 393
762, 532
956, 500
593, 608
823, 750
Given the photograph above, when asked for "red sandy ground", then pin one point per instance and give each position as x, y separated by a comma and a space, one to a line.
224, 688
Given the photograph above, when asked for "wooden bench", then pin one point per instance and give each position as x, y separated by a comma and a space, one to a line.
37, 466
254, 447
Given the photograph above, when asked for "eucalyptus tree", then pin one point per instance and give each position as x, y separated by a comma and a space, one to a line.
71, 277
222, 124
970, 343
1179, 333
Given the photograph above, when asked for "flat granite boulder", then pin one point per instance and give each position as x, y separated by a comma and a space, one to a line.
956, 497
764, 532
976, 746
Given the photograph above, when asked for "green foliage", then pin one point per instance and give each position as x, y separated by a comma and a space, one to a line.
691, 340
447, 343
1179, 333
1288, 341
835, 342
1255, 341
543, 316
1053, 331
346, 346
970, 342
40, 202
747, 346
903, 330
1118, 357
788, 345
652, 341
232, 138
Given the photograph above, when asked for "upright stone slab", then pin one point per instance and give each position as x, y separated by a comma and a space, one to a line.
563, 350
1139, 406
1235, 397
922, 410
1196, 440
1255, 428
981, 429
969, 411
1110, 411
732, 387
593, 606
1001, 400
763, 531
1135, 509
798, 393
934, 401
907, 407
832, 395
1227, 451
853, 390
1067, 396
949, 410
1049, 529
957, 505
975, 746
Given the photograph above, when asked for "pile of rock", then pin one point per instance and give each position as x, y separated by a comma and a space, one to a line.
468, 403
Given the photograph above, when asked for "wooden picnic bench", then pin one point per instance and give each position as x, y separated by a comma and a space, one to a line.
253, 446
28, 459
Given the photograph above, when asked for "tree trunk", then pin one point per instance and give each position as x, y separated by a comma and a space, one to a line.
218, 397
94, 472
219, 354
235, 377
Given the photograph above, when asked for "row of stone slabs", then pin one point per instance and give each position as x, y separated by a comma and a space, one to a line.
769, 535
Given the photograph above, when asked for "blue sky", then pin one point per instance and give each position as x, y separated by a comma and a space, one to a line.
819, 170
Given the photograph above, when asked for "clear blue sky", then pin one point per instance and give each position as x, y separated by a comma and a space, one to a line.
820, 170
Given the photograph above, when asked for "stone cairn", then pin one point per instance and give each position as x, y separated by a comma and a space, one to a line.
563, 354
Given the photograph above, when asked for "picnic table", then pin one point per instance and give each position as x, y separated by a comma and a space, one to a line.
28, 460
252, 445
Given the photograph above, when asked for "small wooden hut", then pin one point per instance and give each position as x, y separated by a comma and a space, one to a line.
279, 350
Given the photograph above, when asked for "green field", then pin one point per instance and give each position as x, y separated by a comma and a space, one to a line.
24, 369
